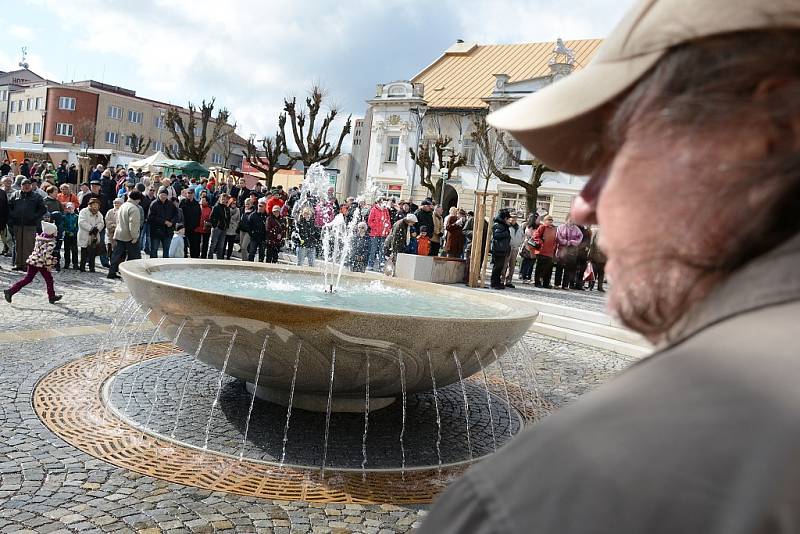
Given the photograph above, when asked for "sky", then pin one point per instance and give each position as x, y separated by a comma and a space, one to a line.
250, 54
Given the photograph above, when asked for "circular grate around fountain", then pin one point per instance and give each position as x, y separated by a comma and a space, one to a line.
103, 405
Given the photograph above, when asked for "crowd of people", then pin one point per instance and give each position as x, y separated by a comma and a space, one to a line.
120, 214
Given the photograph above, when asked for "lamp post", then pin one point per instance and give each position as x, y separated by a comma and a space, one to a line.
447, 156
419, 113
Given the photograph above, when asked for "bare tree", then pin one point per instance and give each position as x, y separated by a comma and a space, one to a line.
425, 158
193, 140
84, 132
273, 148
495, 151
138, 144
310, 137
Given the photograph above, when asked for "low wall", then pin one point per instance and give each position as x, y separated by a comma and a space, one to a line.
429, 269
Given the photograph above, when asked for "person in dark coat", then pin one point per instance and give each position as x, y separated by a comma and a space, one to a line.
257, 228
25, 169
360, 251
400, 236
454, 226
220, 219
501, 247
425, 215
162, 217
276, 229
25, 211
191, 219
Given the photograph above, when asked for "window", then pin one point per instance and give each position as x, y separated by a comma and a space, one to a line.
115, 112
468, 151
217, 159
66, 102
544, 204
112, 138
10, 129
157, 145
513, 202
64, 129
159, 122
393, 145
198, 131
19, 129
20, 105
37, 128
128, 140
2, 116
135, 116
28, 128
13, 106
30, 104
4, 95
39, 102
516, 150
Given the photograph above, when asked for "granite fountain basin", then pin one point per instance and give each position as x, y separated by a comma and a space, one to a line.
392, 334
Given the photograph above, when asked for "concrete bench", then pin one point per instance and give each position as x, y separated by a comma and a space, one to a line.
437, 269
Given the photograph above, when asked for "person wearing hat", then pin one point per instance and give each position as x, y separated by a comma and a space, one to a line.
687, 117
90, 230
105, 204
257, 229
500, 247
25, 212
425, 215
40, 261
72, 174
62, 173
5, 167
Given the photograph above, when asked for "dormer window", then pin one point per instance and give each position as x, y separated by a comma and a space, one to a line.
397, 91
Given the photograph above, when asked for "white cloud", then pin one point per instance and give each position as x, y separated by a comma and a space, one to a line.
19, 32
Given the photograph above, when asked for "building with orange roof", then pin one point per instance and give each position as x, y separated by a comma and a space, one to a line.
466, 82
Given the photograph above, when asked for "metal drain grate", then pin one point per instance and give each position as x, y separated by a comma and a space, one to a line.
69, 402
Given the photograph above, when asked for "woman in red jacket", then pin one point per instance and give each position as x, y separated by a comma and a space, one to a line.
204, 227
545, 238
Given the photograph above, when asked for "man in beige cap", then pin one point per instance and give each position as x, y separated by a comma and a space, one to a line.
688, 124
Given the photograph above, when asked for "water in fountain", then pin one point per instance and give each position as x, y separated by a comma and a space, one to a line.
124, 356
186, 380
121, 318
439, 418
488, 400
253, 397
505, 382
328, 412
403, 421
366, 422
466, 401
219, 387
142, 356
160, 373
291, 399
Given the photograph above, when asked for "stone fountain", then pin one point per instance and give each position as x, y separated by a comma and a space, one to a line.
388, 335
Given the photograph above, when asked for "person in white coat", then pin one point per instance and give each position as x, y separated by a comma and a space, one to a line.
90, 225
517, 239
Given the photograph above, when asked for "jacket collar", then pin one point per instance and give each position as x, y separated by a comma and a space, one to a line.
771, 279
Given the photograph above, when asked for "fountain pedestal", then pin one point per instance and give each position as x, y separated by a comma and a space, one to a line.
317, 403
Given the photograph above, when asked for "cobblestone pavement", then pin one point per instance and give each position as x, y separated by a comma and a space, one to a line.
48, 486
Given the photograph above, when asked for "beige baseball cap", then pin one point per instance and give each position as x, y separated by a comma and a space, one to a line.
561, 123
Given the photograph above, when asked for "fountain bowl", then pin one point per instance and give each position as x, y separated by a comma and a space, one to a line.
392, 351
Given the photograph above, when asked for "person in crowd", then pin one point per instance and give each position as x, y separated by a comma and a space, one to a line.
5, 168
111, 224
423, 244
70, 236
62, 173
568, 237
220, 220
598, 261
306, 237
177, 245
517, 239
243, 229
326, 210
583, 257
5, 190
424, 215
66, 195
127, 186
83, 190
40, 261
500, 247
126, 233
25, 170
108, 186
545, 244
96, 192
528, 250
454, 232
97, 173
274, 200
72, 175
161, 217
203, 228
233, 226
90, 226
436, 232
257, 228
243, 193
25, 212
148, 197
400, 237
276, 229
379, 223
361, 248
36, 189
191, 220
51, 200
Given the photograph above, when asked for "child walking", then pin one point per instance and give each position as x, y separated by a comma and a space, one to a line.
41, 261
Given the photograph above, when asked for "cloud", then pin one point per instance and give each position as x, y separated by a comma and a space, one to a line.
250, 54
19, 32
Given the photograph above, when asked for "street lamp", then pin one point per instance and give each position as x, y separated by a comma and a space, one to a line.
419, 113
447, 156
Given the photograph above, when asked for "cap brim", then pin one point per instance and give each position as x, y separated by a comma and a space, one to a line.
562, 123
